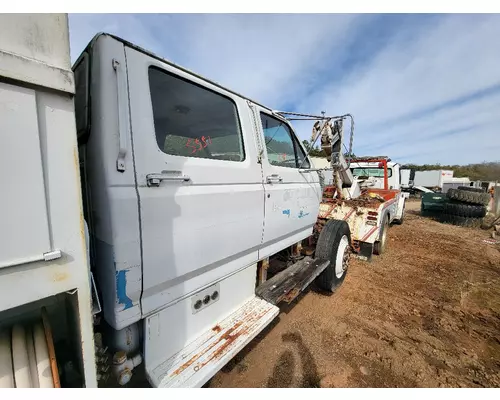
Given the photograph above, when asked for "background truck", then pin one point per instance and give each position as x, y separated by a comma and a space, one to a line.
152, 219
379, 204
365, 203
455, 183
432, 179
406, 181
377, 172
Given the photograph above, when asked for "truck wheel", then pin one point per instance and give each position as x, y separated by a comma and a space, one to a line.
465, 210
379, 246
334, 245
471, 189
469, 197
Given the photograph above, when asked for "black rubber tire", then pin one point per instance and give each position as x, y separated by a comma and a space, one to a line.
469, 197
465, 210
380, 245
326, 248
471, 189
461, 221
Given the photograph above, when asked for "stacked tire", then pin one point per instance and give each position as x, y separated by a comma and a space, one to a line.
466, 206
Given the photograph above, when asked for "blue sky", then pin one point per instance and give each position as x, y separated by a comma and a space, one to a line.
422, 88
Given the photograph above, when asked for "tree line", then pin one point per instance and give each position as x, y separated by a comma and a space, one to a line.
485, 171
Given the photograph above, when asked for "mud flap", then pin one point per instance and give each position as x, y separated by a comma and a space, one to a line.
365, 251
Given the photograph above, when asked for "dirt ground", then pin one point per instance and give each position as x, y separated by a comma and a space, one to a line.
424, 314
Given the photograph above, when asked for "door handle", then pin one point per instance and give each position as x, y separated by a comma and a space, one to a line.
155, 179
274, 178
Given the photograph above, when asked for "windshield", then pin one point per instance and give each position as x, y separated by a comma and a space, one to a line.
375, 172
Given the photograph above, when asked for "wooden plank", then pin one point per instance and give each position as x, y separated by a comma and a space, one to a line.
262, 268
286, 285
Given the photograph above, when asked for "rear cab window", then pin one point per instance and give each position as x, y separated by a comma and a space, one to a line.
371, 171
282, 146
82, 107
193, 121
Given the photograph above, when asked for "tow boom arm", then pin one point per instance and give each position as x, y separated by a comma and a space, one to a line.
331, 132
331, 144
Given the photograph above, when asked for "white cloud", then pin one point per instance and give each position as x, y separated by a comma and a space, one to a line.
301, 59
267, 57
435, 65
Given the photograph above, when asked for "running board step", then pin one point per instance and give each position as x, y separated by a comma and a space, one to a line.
288, 284
201, 359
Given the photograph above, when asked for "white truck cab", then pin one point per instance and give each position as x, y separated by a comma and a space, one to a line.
373, 173
187, 186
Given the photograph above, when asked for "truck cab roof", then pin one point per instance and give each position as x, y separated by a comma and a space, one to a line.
96, 37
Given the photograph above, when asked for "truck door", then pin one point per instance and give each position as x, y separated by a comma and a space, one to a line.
198, 179
292, 196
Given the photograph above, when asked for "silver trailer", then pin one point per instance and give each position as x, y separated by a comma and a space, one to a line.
432, 179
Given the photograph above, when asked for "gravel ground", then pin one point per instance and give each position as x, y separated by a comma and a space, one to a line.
424, 314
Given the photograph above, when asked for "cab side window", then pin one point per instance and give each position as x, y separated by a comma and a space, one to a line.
283, 149
193, 121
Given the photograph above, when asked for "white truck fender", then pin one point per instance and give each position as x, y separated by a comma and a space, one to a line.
400, 206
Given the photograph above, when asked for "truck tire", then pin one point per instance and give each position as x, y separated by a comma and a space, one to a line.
379, 246
469, 197
465, 210
334, 243
461, 221
471, 189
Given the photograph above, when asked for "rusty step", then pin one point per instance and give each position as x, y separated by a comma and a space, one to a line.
203, 357
286, 285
